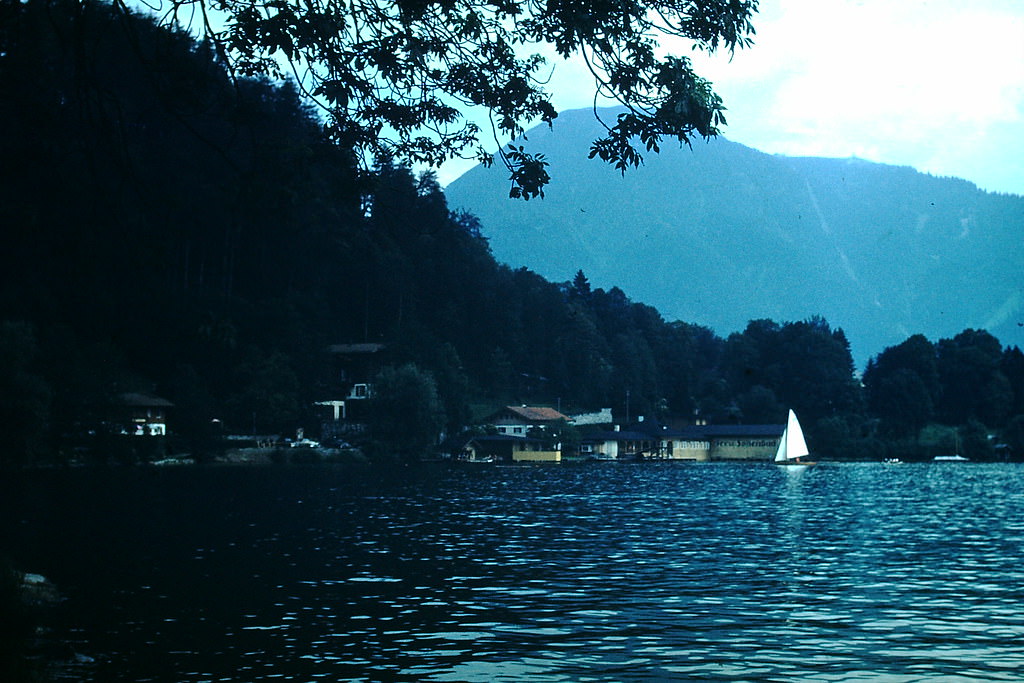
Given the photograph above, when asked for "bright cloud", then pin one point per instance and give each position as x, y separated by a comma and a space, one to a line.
936, 85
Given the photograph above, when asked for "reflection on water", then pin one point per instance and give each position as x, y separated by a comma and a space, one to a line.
621, 572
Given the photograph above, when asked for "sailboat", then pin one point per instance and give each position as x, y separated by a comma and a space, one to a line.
792, 446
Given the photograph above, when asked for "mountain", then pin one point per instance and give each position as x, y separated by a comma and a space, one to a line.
721, 234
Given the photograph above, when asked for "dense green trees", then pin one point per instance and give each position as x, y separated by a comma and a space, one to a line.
974, 386
166, 231
903, 387
179, 236
25, 395
954, 381
405, 412
969, 382
803, 365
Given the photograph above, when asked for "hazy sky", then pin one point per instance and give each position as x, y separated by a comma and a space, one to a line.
933, 84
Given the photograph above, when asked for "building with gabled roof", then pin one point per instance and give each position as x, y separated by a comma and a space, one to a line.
349, 381
518, 420
652, 441
355, 349
354, 368
144, 414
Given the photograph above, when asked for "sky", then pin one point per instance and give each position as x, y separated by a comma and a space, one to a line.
933, 84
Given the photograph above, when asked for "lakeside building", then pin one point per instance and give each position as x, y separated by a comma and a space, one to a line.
702, 443
737, 442
618, 444
502, 448
514, 434
517, 434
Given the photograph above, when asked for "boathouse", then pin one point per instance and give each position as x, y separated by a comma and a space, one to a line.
651, 441
507, 448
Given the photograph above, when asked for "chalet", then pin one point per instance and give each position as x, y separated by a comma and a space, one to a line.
143, 414
352, 369
518, 420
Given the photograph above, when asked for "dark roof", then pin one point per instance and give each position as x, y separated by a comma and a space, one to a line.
137, 400
460, 441
618, 436
694, 432
493, 438
456, 442
529, 413
651, 426
725, 431
355, 348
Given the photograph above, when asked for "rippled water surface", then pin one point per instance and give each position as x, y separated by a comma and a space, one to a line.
604, 572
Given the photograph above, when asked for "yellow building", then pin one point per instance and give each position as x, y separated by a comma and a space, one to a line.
505, 448
723, 442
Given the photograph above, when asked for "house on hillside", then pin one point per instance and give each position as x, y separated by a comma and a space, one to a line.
143, 414
352, 370
518, 420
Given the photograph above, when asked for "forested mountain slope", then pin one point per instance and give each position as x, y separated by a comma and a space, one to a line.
722, 234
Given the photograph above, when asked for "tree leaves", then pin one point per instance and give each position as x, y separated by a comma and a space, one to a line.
398, 78
529, 173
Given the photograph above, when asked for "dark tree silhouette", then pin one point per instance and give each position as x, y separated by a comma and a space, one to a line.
903, 388
974, 386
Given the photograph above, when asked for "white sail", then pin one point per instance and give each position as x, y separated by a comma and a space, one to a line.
792, 445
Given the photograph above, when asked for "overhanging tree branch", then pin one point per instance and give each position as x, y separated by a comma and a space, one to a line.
396, 78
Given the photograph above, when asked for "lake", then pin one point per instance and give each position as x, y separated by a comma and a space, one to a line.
599, 572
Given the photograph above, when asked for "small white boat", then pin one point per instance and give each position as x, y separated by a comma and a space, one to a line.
792, 446
602, 457
956, 457
478, 459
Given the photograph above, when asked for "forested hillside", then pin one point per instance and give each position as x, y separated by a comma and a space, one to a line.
171, 231
719, 233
